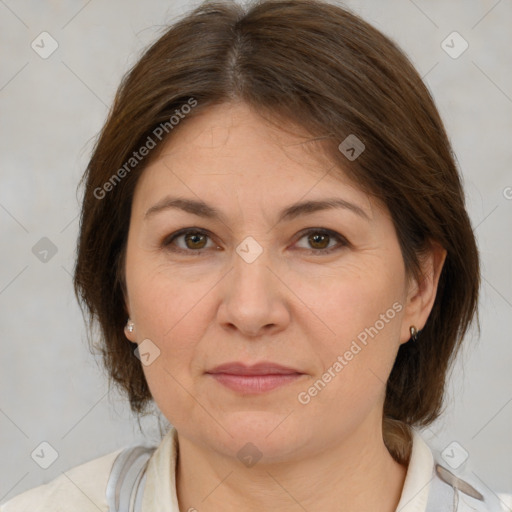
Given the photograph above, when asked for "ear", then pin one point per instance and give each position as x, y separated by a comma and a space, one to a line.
421, 293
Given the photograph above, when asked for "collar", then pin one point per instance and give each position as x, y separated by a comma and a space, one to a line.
420, 471
160, 488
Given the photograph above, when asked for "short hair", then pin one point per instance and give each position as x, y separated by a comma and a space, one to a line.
308, 64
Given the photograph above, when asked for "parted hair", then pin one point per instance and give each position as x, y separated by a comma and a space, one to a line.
319, 66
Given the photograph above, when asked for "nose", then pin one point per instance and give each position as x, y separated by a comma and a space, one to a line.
254, 298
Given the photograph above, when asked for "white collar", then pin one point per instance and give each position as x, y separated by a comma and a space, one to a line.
160, 488
420, 472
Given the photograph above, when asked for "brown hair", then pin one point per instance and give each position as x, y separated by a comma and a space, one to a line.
318, 66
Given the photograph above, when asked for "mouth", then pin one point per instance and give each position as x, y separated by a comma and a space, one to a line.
254, 379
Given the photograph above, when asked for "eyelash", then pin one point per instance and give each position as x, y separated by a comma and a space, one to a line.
171, 238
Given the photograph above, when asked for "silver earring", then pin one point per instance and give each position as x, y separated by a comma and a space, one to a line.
130, 326
414, 333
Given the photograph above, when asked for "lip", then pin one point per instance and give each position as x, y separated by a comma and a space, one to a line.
254, 379
262, 368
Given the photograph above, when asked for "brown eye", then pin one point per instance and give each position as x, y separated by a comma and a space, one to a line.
319, 240
194, 241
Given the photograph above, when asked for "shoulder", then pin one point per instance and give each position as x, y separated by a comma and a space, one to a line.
455, 481
81, 488
466, 492
446, 480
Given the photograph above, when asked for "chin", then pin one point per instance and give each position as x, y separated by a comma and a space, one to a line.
264, 433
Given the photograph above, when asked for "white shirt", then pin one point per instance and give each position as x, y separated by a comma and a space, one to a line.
83, 488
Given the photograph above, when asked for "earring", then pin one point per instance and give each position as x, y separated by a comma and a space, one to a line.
130, 326
414, 333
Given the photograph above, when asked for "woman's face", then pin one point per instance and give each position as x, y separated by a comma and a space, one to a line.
320, 290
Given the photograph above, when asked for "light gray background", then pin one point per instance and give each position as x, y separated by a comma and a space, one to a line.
51, 388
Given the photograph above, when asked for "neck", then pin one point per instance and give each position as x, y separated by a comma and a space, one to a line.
356, 474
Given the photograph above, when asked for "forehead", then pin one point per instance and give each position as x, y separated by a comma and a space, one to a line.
229, 149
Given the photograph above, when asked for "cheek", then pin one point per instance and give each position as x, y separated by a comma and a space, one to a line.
358, 312
352, 297
163, 296
168, 312
172, 310
355, 360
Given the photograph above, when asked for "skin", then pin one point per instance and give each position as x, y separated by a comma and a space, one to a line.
289, 306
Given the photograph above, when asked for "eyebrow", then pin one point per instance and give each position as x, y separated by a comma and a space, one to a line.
202, 209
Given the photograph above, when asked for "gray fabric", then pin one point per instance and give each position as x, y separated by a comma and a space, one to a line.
451, 493
127, 478
441, 496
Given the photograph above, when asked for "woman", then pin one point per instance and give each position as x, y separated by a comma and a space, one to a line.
275, 245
